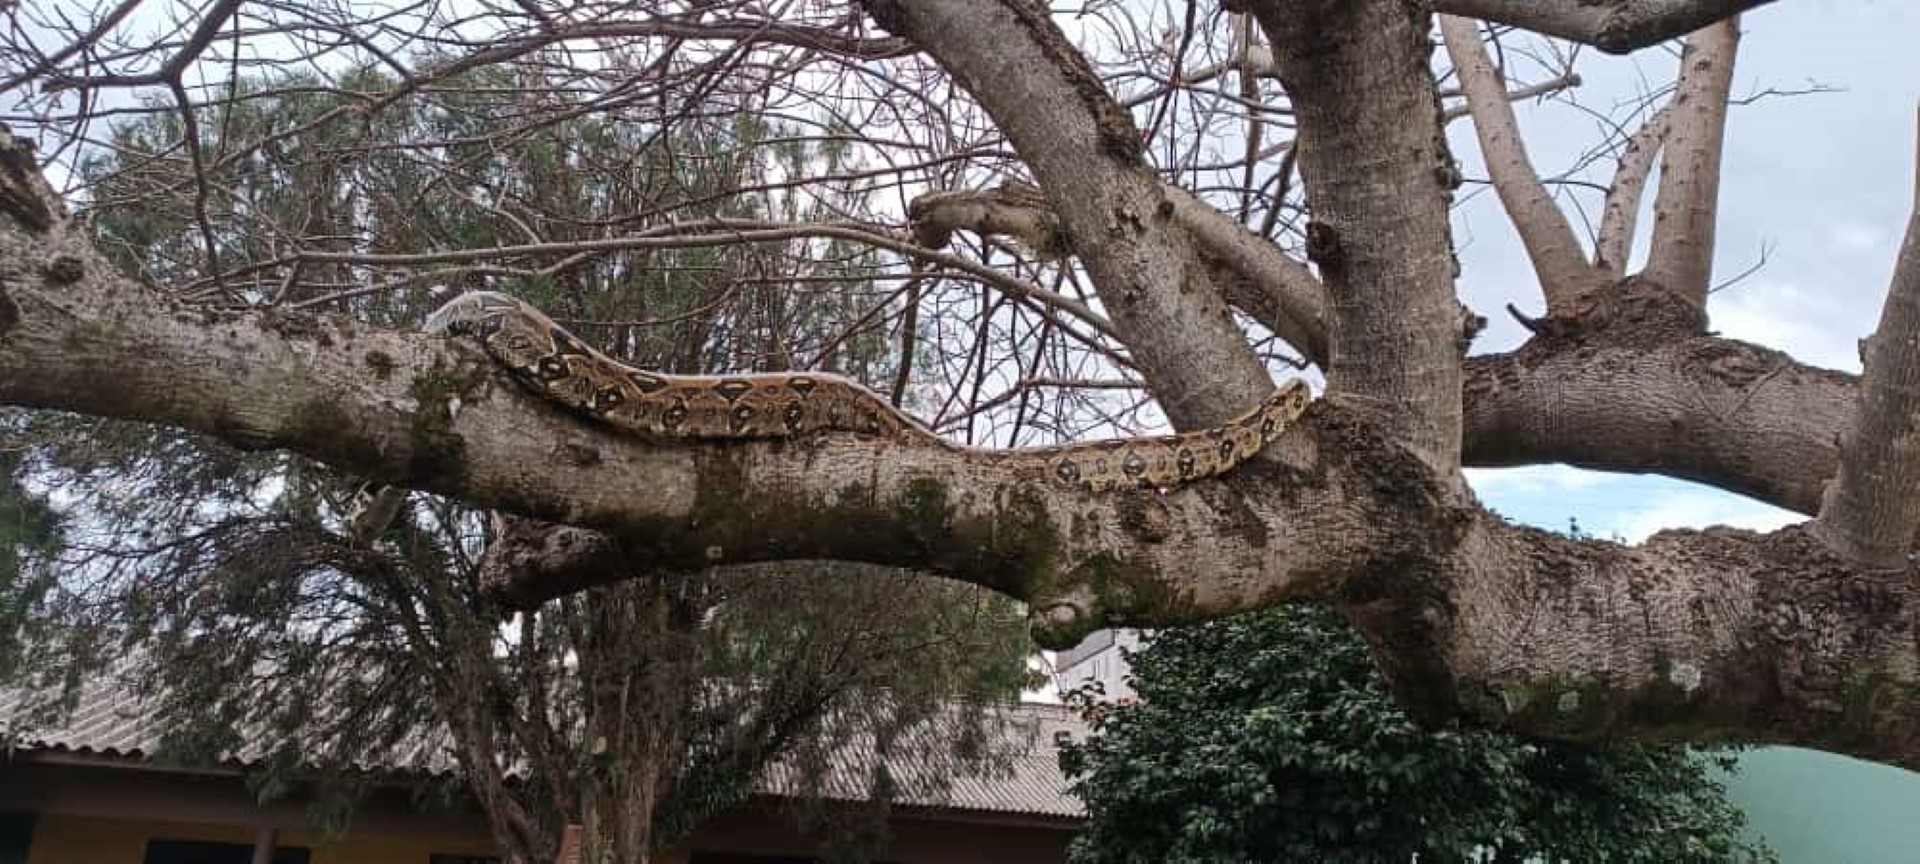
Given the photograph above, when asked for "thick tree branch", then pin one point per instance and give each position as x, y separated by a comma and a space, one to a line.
530, 562
427, 414
1084, 151
1254, 274
1694, 635
1680, 254
1873, 506
1558, 258
1378, 181
1257, 277
1614, 26
1728, 414
1761, 637
1621, 213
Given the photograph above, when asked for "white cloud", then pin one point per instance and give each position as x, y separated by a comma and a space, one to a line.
1815, 327
1535, 480
1692, 508
1847, 235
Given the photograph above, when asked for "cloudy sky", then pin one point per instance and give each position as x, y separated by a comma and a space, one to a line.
1821, 183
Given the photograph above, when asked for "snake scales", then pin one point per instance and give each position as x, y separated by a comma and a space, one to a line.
554, 363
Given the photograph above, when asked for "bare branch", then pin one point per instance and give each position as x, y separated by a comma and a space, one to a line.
1558, 259
1621, 213
1680, 254
1873, 506
1257, 277
169, 72
1075, 136
1614, 26
92, 37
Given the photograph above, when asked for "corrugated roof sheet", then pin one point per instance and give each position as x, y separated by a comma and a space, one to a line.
110, 720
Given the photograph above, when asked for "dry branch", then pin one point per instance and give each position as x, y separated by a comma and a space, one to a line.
1621, 213
1685, 211
1556, 253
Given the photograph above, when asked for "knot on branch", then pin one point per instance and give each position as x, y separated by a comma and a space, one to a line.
64, 270
1634, 312
529, 562
1323, 246
1061, 626
1013, 209
23, 194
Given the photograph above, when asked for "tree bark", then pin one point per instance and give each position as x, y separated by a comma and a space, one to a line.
1621, 213
1558, 259
1728, 414
1378, 180
1680, 254
1871, 509
1693, 635
1615, 26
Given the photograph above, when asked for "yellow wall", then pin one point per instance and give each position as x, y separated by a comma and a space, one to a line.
61, 839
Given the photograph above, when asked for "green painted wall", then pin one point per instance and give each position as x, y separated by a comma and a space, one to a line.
1818, 808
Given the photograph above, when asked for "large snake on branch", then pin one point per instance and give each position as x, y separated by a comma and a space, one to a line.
548, 360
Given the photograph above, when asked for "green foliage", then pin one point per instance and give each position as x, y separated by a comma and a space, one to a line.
1271, 737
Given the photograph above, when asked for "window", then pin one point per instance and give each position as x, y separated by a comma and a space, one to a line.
201, 852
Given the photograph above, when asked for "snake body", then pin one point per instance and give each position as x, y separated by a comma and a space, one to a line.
545, 358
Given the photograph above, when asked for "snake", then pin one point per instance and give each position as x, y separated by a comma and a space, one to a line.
545, 358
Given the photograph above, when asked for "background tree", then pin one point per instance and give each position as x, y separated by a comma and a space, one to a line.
257, 617
1323, 219
1269, 736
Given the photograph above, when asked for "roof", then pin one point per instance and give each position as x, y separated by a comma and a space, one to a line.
110, 722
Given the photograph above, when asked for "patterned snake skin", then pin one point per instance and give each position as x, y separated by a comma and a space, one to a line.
556, 364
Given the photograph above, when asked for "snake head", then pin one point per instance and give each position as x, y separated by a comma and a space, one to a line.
464, 314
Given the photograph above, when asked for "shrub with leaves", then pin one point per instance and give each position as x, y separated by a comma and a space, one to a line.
1272, 737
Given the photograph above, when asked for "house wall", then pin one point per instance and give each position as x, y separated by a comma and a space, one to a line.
60, 839
914, 840
101, 815
96, 814
1819, 808
1098, 658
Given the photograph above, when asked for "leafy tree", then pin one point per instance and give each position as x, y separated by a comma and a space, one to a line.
253, 616
1270, 736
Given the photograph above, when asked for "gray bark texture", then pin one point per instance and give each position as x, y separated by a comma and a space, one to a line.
1694, 635
1617, 26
